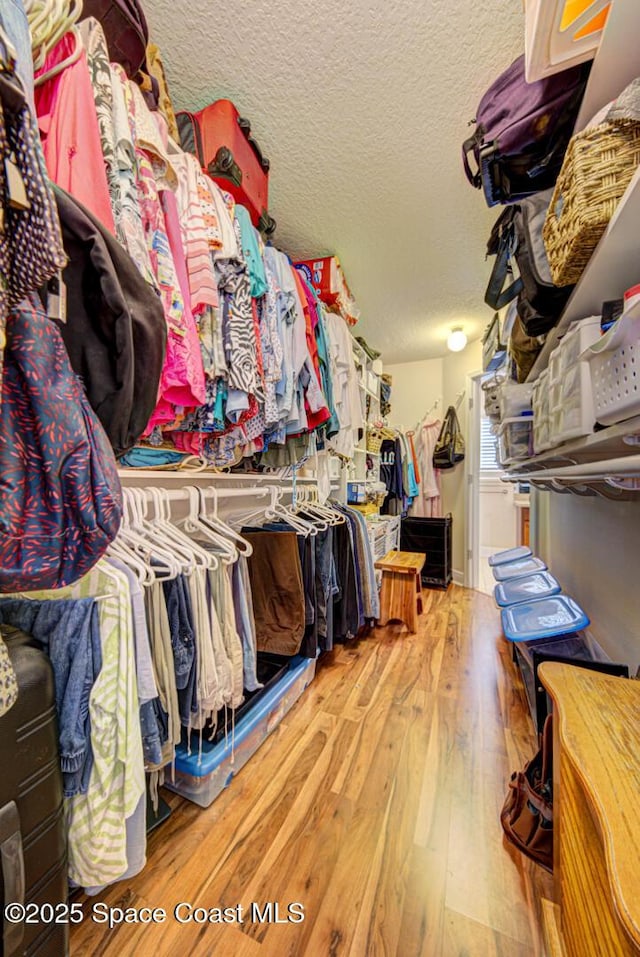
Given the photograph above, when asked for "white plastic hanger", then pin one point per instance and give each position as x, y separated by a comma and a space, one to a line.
313, 506
194, 525
276, 510
320, 521
163, 547
255, 515
48, 23
159, 534
213, 520
154, 548
135, 537
122, 548
143, 572
63, 64
179, 539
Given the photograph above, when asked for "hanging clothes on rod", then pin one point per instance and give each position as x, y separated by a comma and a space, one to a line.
161, 642
428, 502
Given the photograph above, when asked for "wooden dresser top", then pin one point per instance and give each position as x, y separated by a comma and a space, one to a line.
599, 727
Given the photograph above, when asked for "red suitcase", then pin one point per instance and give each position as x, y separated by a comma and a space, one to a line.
222, 141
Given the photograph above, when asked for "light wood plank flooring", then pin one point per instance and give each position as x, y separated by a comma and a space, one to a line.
375, 804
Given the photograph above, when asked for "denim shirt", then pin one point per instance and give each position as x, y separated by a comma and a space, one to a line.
68, 630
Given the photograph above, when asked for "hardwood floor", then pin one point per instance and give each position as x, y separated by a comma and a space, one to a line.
375, 804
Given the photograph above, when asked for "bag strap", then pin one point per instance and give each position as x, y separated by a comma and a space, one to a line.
447, 430
469, 147
520, 783
496, 295
547, 748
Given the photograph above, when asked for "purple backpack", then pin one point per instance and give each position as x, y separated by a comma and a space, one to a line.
522, 132
60, 496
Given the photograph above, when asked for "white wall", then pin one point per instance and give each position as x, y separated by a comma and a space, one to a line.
592, 547
416, 386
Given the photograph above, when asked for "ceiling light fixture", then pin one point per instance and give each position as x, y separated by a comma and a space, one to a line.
457, 340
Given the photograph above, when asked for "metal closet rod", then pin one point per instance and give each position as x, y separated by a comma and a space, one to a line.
191, 477
625, 467
182, 494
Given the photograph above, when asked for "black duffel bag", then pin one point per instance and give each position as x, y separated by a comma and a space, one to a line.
517, 237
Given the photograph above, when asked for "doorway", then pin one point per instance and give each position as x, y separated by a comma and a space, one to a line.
494, 508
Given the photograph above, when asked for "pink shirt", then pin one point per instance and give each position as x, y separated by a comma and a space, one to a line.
70, 133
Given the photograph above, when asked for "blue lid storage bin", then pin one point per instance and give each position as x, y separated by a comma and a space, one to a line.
520, 569
201, 777
510, 555
515, 590
544, 618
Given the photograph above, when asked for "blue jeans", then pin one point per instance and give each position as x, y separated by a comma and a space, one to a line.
183, 643
245, 625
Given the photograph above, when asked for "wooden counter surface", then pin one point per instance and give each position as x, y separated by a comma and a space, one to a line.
597, 809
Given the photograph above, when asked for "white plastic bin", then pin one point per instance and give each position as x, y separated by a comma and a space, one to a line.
555, 366
576, 415
541, 434
614, 363
555, 395
555, 427
540, 403
580, 336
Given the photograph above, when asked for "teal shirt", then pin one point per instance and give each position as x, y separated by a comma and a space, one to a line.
251, 253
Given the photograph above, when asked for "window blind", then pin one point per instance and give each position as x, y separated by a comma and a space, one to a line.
488, 447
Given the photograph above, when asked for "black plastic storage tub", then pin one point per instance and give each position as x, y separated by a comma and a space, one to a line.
269, 669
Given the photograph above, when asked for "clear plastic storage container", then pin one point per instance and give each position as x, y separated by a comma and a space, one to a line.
543, 618
201, 778
518, 569
508, 555
515, 590
515, 439
515, 398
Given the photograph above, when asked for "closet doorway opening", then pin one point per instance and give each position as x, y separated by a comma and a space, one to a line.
497, 512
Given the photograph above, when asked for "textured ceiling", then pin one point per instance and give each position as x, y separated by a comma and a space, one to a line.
361, 108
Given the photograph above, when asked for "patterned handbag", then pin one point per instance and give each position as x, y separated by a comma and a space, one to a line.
60, 496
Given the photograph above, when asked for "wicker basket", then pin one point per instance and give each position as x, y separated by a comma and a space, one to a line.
597, 168
374, 440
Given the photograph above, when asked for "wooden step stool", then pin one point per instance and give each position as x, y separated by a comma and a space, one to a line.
401, 595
